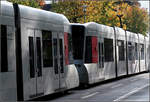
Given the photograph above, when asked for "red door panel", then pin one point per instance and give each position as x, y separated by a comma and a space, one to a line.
94, 50
66, 48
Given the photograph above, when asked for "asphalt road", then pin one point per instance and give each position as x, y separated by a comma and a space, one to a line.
135, 88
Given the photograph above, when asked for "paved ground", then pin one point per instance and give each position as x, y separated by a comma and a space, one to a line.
135, 88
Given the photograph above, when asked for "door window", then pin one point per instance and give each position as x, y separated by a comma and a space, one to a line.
31, 57
101, 55
39, 64
55, 56
121, 50
61, 56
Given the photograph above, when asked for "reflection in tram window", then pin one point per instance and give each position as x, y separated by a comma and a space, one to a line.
4, 55
78, 41
88, 50
47, 48
121, 50
142, 51
108, 46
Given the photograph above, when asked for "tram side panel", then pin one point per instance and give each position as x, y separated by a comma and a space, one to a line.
8, 87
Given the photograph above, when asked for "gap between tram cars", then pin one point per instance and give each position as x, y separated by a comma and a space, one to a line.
41, 53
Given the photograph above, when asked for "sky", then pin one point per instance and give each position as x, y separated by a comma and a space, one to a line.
145, 4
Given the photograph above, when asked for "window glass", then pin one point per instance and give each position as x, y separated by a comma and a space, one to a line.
136, 51
47, 48
55, 56
131, 51
88, 50
78, 41
70, 49
142, 51
4, 55
108, 46
39, 65
121, 50
61, 56
101, 55
31, 57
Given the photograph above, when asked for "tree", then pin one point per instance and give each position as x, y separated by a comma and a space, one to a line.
31, 3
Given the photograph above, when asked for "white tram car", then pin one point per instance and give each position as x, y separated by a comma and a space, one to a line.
102, 52
34, 53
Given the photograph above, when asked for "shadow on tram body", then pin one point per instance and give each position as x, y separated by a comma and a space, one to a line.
70, 92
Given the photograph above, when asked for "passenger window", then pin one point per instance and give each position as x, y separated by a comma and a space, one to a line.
121, 50
88, 50
108, 46
31, 57
47, 49
4, 55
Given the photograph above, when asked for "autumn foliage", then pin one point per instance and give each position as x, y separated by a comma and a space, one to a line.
107, 12
133, 17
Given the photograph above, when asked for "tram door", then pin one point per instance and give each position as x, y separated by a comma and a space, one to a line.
35, 63
58, 61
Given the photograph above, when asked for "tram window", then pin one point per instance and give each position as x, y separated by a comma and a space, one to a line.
142, 51
70, 49
31, 57
4, 55
78, 41
121, 50
39, 65
88, 50
47, 48
108, 46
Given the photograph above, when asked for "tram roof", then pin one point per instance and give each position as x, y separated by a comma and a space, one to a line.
33, 13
